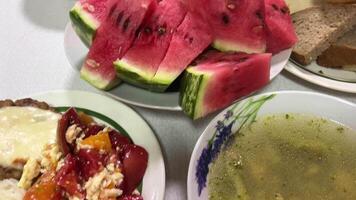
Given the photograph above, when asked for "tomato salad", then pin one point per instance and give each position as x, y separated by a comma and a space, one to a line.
88, 162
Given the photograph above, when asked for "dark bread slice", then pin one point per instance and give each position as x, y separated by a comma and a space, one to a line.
341, 54
16, 171
318, 27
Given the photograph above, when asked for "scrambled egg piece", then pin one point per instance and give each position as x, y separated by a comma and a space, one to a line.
50, 157
31, 170
72, 133
101, 185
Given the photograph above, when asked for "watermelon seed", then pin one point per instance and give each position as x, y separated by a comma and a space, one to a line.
194, 63
225, 18
257, 29
119, 18
191, 40
231, 6
285, 10
243, 59
259, 15
112, 10
92, 63
161, 30
126, 24
90, 7
275, 6
147, 30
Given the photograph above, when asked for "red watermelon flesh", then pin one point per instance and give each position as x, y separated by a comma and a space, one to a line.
96, 8
280, 30
237, 24
113, 38
141, 61
223, 79
192, 37
86, 17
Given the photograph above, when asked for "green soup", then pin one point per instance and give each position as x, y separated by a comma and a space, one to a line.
287, 156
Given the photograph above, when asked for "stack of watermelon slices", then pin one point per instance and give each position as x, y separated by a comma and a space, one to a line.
150, 43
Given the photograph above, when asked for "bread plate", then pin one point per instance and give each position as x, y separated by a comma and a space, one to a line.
76, 51
336, 79
112, 113
264, 104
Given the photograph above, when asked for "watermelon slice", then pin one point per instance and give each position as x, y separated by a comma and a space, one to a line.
280, 30
222, 79
140, 63
86, 16
190, 40
237, 24
113, 38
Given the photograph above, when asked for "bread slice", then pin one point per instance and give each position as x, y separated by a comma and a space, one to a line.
341, 54
318, 27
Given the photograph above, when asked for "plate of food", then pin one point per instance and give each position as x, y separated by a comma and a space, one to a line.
283, 145
77, 145
324, 54
172, 53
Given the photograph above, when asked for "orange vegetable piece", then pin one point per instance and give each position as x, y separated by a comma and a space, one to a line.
44, 189
100, 141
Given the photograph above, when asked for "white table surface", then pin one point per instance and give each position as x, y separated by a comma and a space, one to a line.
32, 60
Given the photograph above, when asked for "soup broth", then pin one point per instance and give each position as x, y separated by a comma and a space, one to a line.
287, 157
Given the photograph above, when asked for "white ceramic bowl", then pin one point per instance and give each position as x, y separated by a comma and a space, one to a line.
270, 103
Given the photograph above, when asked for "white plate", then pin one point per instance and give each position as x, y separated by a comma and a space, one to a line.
340, 80
316, 78
76, 51
271, 103
139, 131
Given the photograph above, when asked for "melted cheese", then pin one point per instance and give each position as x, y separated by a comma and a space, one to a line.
23, 133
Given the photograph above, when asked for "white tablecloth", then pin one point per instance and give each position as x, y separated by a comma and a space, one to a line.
32, 60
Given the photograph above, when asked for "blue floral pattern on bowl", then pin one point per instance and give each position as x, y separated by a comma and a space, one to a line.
237, 117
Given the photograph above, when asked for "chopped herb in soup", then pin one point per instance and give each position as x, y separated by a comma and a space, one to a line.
287, 157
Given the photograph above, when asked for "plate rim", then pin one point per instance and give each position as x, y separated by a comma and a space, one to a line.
319, 80
156, 195
211, 124
69, 29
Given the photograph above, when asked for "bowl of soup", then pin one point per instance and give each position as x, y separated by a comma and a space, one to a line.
277, 146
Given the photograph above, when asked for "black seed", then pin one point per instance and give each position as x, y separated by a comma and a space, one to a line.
285, 10
275, 6
147, 30
161, 30
225, 18
112, 9
119, 18
259, 15
194, 63
126, 24
191, 40
243, 59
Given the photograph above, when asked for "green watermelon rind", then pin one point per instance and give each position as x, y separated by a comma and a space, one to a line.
227, 46
131, 74
162, 81
192, 92
96, 80
83, 23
